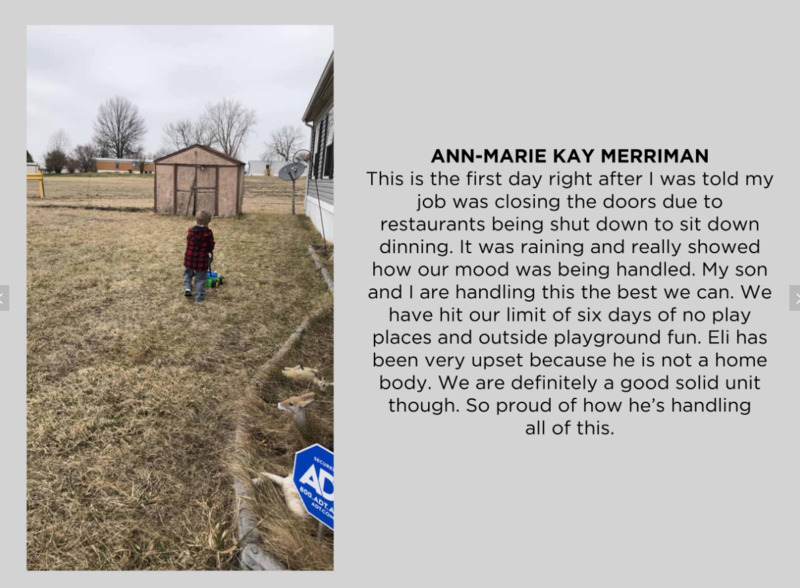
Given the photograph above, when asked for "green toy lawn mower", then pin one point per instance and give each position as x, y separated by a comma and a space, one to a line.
213, 279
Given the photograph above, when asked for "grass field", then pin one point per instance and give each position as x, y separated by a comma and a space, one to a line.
134, 392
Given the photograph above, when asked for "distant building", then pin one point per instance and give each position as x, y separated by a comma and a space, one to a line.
256, 168
122, 166
319, 189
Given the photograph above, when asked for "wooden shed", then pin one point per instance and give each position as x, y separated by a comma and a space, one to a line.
199, 178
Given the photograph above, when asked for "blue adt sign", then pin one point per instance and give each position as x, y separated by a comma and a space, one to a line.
313, 477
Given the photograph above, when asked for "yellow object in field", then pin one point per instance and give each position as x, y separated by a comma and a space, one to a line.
39, 177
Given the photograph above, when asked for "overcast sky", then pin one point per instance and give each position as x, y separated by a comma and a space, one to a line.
169, 73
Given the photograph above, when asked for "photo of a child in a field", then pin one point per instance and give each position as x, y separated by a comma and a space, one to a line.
199, 245
150, 415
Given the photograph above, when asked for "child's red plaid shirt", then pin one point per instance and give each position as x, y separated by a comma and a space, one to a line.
199, 243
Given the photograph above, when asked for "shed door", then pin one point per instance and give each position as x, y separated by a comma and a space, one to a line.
196, 189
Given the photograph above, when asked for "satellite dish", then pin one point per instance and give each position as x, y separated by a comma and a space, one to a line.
291, 171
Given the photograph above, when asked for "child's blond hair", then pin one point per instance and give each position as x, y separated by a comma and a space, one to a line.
203, 217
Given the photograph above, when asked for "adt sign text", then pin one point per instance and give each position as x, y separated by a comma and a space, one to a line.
313, 477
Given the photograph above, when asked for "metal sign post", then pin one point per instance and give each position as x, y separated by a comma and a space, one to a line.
313, 478
39, 177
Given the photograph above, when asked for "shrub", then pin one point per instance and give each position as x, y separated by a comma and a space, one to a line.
55, 160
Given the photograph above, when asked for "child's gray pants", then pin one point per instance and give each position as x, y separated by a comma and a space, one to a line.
199, 282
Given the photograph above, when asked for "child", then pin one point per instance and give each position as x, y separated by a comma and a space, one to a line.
199, 244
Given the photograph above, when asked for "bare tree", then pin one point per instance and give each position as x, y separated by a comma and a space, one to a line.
142, 157
283, 143
119, 127
229, 123
59, 141
84, 156
136, 152
183, 133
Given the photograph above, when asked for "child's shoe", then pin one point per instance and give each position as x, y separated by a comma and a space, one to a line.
187, 293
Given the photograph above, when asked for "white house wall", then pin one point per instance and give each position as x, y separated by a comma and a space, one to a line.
322, 187
324, 211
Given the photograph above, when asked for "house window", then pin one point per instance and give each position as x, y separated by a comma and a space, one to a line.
319, 141
328, 167
323, 147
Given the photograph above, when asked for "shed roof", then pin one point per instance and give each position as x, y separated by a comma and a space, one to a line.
209, 149
323, 93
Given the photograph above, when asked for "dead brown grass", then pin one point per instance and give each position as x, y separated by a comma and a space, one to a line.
269, 440
93, 187
325, 255
131, 386
261, 193
270, 193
